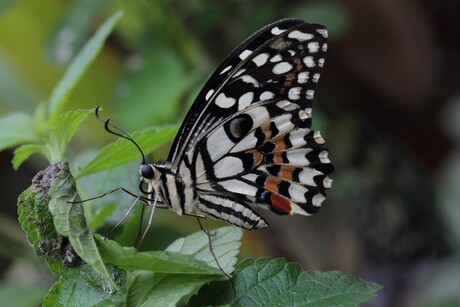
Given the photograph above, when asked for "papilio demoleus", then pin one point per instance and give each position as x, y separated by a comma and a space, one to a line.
247, 141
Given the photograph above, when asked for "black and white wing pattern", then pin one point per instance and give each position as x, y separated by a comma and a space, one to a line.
247, 140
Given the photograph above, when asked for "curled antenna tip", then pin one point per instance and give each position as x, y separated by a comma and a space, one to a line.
96, 113
118, 131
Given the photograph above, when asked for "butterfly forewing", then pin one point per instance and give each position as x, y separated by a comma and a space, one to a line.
283, 59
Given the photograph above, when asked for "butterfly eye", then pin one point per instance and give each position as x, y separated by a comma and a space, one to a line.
147, 171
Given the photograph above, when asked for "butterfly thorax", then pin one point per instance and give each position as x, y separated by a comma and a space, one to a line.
173, 189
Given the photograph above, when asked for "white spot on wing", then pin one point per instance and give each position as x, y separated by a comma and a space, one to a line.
297, 157
318, 199
261, 59
307, 174
323, 32
209, 94
327, 183
297, 193
243, 55
249, 79
315, 77
303, 115
224, 101
251, 177
228, 166
318, 138
267, 95
297, 137
283, 123
239, 72
313, 47
286, 105
277, 31
218, 144
245, 100
300, 36
310, 94
302, 77
308, 60
282, 68
320, 62
225, 69
248, 142
323, 157
294, 93
240, 187
276, 58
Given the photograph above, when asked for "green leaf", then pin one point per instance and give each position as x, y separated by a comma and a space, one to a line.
76, 23
25, 151
166, 262
37, 221
62, 130
122, 151
82, 286
161, 261
149, 86
79, 65
226, 242
276, 283
162, 289
156, 289
16, 93
17, 129
101, 216
69, 218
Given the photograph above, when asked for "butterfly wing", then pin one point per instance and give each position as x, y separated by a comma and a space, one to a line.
258, 69
247, 139
267, 156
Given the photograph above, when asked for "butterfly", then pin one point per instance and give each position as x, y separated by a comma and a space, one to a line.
247, 142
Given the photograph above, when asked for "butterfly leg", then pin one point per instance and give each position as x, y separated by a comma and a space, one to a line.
206, 230
149, 222
145, 200
123, 218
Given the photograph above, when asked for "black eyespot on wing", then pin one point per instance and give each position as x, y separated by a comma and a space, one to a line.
238, 127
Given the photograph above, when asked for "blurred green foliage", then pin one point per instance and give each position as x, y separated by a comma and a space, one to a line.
154, 62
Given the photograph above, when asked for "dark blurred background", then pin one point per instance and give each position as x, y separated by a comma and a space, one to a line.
388, 106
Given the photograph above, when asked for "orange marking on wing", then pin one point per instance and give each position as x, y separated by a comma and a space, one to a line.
266, 130
271, 183
280, 145
257, 156
298, 63
289, 78
278, 158
280, 203
286, 172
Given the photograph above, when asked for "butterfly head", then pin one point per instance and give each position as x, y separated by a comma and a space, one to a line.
150, 176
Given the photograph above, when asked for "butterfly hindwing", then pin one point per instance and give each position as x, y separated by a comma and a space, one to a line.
269, 157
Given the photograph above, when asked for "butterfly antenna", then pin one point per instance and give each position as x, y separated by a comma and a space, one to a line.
117, 131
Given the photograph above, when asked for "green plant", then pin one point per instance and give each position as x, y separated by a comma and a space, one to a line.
92, 271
